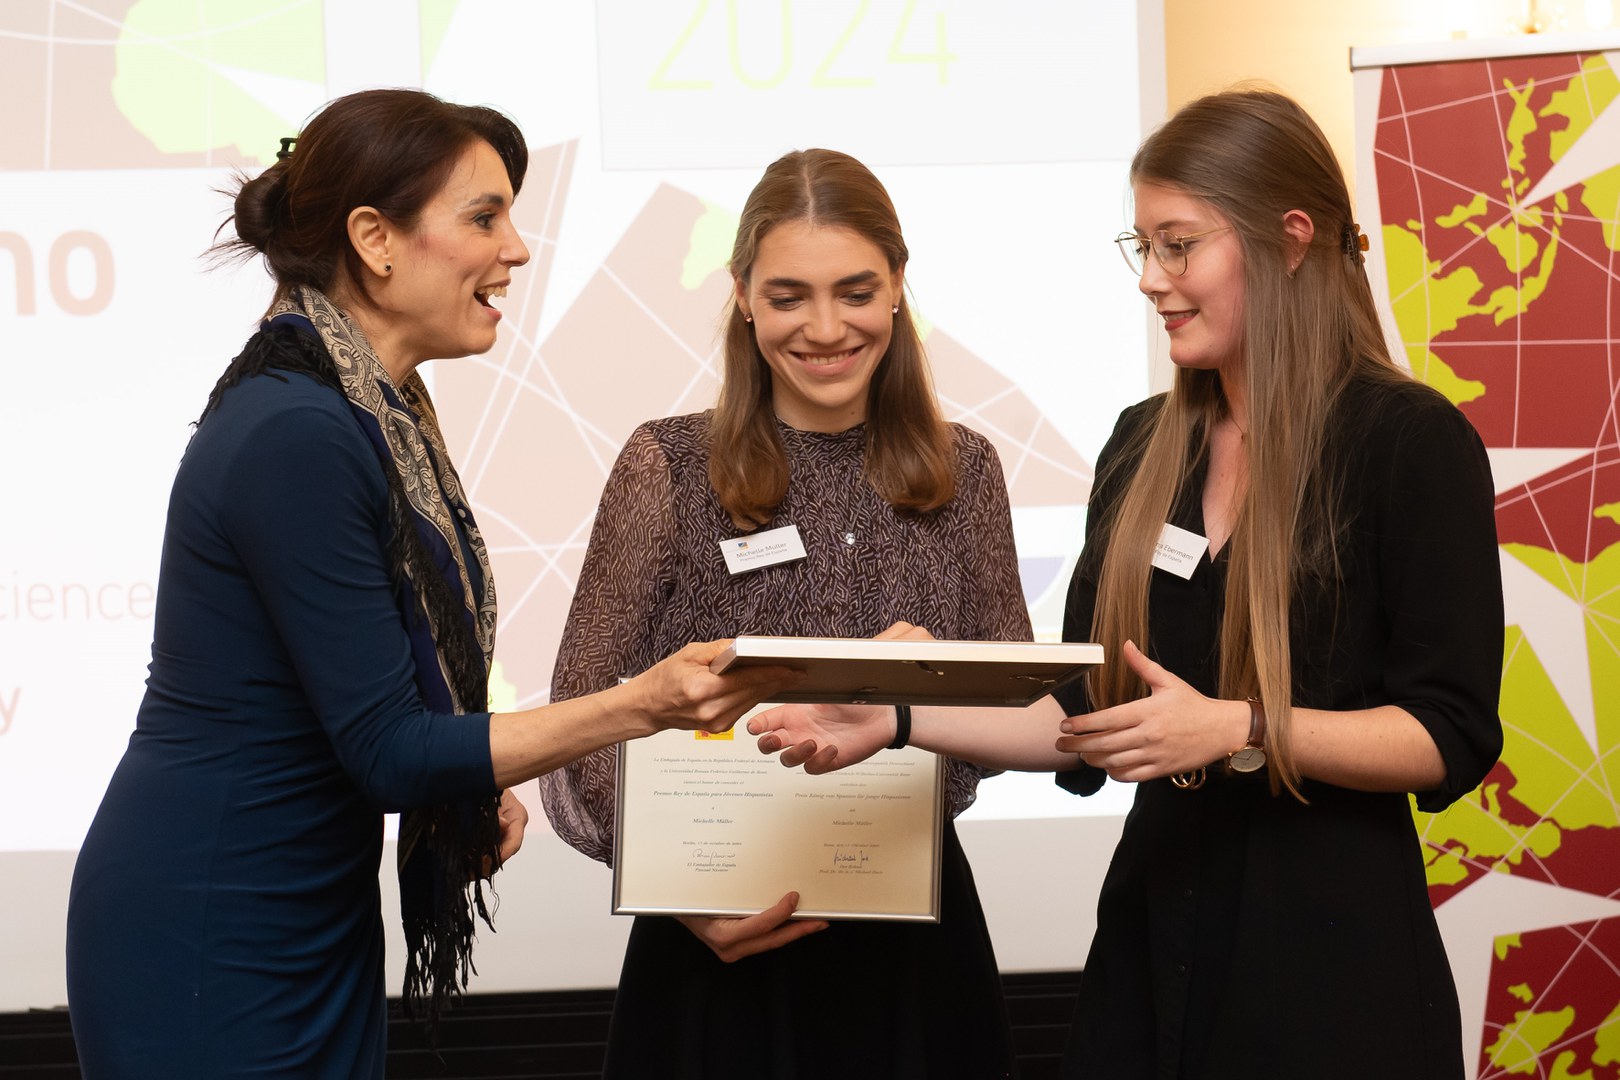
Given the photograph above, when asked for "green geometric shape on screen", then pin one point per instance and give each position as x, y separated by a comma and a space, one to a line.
1442, 867
1519, 1046
1587, 95
708, 246
1511, 301
1595, 586
1521, 122
1476, 828
1464, 212
923, 323
1473, 830
1561, 1065
1427, 305
1559, 783
171, 54
1429, 368
503, 695
1557, 774
1602, 643
1608, 1039
1580, 102
435, 18
1600, 195
1564, 574
1518, 247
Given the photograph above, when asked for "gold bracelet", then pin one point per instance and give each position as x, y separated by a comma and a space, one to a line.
1190, 781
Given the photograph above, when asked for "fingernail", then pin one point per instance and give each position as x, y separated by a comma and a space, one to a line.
1066, 728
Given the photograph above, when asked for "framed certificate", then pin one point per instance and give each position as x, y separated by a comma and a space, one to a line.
707, 825
982, 673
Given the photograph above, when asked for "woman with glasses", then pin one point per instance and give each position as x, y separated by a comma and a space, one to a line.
1291, 560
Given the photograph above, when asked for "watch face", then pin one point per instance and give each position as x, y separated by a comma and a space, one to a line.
1246, 760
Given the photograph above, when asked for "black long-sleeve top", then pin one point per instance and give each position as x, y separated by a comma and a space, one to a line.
1242, 934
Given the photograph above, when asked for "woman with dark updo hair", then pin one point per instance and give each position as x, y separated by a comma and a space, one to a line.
324, 625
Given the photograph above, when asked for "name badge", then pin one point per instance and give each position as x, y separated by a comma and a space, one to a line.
1178, 551
745, 553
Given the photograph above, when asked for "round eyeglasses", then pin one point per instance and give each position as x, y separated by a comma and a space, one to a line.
1169, 249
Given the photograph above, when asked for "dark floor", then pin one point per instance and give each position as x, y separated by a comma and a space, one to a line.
555, 1035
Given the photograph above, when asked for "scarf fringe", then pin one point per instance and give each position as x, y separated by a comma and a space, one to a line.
435, 860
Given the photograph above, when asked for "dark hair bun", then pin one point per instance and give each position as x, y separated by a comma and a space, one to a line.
258, 208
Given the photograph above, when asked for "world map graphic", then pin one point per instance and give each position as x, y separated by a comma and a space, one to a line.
1498, 184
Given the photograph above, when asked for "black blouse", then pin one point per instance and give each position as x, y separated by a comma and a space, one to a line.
1241, 934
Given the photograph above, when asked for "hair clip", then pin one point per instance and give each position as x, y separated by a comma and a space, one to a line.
1355, 241
286, 148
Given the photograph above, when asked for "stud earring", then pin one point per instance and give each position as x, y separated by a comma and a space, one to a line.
388, 268
895, 310
747, 318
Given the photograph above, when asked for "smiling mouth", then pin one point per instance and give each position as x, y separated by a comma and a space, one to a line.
484, 296
826, 359
1173, 319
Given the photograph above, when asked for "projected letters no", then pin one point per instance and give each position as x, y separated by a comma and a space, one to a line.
62, 292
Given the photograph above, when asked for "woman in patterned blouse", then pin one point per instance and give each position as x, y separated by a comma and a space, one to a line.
826, 424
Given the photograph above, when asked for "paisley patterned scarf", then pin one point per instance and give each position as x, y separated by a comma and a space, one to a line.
444, 851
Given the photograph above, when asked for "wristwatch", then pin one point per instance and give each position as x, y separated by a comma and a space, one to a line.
1251, 756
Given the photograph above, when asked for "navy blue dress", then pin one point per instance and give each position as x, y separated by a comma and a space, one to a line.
224, 916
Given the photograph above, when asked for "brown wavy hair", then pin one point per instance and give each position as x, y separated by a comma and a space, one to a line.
1254, 155
909, 457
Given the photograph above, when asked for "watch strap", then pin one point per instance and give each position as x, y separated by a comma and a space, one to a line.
1257, 724
1251, 756
902, 727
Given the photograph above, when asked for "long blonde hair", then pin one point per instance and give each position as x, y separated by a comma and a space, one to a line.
909, 458
1253, 155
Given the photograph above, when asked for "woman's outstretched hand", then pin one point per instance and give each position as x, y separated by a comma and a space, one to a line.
677, 692
823, 738
681, 692
733, 939
1175, 729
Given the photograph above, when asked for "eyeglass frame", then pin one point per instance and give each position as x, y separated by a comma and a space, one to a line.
1152, 242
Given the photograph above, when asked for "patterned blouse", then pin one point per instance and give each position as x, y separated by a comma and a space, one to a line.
654, 578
